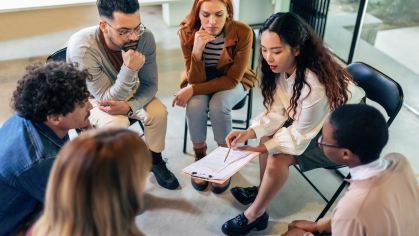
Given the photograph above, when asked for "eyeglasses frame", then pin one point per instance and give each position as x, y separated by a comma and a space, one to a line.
320, 143
130, 30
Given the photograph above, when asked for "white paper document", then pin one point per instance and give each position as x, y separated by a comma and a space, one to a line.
213, 167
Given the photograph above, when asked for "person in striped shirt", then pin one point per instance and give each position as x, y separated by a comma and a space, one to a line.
217, 75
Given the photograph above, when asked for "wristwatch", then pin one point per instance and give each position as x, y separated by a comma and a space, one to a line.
130, 112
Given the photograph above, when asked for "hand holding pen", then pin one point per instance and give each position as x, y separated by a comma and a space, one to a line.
229, 149
235, 137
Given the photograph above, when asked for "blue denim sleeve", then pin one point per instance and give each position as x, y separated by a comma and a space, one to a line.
34, 180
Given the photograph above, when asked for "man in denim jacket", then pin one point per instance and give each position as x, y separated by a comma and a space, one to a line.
49, 100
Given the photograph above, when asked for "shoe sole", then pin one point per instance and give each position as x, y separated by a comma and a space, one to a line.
163, 184
170, 187
262, 225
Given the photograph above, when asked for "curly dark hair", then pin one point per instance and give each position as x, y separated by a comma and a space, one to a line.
294, 31
107, 7
361, 129
51, 89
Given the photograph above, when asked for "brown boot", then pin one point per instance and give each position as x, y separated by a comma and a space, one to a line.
198, 183
219, 188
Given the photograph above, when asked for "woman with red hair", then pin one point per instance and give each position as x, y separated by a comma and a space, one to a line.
216, 51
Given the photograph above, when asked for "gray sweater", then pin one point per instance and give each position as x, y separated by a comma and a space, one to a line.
85, 48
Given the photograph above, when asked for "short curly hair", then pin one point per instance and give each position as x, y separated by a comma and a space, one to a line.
360, 128
51, 89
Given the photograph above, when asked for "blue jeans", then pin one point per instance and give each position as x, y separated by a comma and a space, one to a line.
219, 106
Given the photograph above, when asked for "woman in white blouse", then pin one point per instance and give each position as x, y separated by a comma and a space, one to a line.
301, 84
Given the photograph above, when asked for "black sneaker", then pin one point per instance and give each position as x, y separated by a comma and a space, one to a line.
164, 177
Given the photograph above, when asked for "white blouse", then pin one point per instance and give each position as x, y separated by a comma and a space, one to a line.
311, 112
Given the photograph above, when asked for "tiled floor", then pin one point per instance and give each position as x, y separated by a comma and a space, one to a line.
183, 211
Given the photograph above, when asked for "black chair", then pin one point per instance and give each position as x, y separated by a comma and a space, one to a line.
314, 12
379, 88
249, 98
60, 55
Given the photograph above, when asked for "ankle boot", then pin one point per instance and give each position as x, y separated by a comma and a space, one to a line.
219, 188
197, 183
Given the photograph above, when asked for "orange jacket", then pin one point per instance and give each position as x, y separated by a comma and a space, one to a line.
233, 63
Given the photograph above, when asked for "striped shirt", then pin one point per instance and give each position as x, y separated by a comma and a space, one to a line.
213, 50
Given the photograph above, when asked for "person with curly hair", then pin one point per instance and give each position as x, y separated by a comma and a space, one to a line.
49, 100
301, 84
120, 53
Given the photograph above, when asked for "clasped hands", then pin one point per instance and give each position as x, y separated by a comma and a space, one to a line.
113, 107
300, 227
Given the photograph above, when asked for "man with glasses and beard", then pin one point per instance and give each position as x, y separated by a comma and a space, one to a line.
120, 53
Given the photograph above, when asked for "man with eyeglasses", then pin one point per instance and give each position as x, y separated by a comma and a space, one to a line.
121, 56
383, 195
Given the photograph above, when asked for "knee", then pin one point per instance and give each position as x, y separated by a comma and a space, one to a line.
157, 112
278, 163
197, 102
219, 107
117, 120
197, 105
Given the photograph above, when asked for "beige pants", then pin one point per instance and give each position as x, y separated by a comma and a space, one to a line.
153, 115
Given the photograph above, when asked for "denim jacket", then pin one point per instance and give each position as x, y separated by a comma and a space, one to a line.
28, 150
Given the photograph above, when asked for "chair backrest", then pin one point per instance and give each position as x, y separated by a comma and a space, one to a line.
59, 55
314, 12
241, 104
378, 87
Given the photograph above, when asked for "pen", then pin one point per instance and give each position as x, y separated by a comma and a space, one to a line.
231, 140
227, 154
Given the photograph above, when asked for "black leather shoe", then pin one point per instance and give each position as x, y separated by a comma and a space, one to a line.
245, 195
238, 225
164, 177
220, 188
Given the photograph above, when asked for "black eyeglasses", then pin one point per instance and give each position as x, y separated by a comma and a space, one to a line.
320, 143
138, 31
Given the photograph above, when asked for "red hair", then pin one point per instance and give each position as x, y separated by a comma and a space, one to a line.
191, 20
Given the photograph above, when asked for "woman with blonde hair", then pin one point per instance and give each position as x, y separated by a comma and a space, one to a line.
216, 51
96, 185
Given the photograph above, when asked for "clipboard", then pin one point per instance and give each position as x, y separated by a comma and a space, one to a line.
213, 168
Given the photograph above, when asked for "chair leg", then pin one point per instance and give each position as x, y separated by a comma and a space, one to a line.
185, 136
142, 127
337, 171
333, 199
312, 185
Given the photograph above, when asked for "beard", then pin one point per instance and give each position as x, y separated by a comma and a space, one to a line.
132, 44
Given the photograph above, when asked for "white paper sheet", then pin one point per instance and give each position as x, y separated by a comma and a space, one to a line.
213, 166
